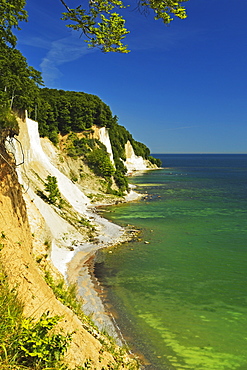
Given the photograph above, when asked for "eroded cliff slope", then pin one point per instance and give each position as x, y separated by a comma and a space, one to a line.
20, 247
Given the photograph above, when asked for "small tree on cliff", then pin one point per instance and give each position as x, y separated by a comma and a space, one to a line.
51, 188
100, 162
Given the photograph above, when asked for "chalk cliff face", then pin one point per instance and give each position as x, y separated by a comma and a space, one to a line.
134, 162
37, 160
101, 133
104, 138
41, 159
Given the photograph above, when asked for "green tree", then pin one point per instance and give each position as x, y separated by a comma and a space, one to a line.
52, 189
104, 27
100, 162
17, 79
8, 122
11, 13
37, 347
65, 111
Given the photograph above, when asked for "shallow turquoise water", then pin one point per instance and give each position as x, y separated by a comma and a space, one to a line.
181, 292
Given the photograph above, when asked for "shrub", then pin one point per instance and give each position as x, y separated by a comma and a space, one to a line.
25, 344
100, 163
37, 347
65, 294
7, 119
10, 319
156, 161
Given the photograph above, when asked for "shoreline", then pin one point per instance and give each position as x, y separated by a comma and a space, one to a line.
90, 288
80, 266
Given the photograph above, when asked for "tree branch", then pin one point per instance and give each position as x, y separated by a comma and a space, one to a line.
66, 6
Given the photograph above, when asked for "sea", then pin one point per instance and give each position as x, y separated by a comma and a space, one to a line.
178, 291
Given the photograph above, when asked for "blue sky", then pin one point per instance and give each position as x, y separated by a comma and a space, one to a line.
183, 87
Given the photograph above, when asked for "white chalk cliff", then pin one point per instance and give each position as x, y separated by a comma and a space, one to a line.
134, 162
105, 139
32, 175
36, 159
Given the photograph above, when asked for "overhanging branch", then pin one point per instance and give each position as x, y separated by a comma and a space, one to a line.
66, 6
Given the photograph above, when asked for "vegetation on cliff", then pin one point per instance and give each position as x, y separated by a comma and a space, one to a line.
119, 136
59, 111
18, 85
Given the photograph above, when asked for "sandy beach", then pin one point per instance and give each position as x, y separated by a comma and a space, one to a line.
80, 272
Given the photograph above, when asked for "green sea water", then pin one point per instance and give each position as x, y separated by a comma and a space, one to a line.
180, 293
